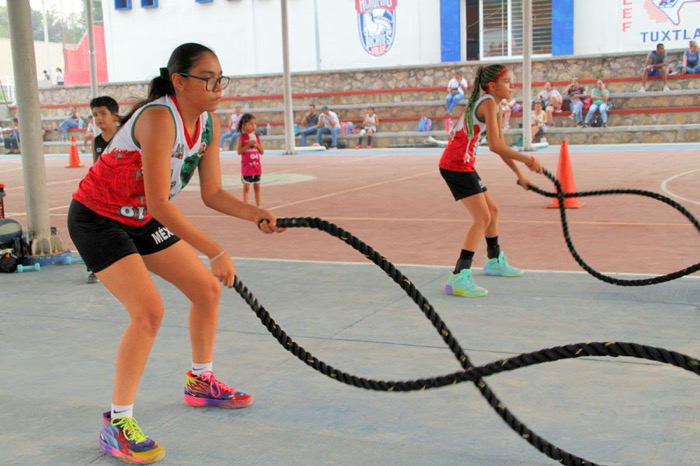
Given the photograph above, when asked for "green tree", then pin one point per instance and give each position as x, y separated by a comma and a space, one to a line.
69, 29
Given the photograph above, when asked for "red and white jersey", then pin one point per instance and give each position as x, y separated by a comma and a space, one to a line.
114, 185
460, 153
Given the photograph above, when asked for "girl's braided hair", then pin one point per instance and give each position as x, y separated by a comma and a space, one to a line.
484, 76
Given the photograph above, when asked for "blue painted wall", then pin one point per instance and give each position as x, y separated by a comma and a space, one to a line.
450, 33
562, 27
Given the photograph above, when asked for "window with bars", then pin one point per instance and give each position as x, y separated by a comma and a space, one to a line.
502, 28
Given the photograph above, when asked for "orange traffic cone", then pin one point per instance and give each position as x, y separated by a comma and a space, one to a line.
566, 178
74, 156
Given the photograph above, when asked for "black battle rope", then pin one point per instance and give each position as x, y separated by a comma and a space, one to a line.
470, 373
560, 195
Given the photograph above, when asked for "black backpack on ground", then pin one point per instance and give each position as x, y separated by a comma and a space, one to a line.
13, 248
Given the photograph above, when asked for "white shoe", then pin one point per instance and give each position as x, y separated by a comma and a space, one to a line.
642, 89
666, 88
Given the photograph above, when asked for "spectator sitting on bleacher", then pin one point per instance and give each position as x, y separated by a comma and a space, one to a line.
232, 129
455, 92
47, 76
69, 123
369, 127
599, 102
328, 122
89, 133
11, 140
655, 66
690, 60
539, 118
576, 93
310, 121
552, 102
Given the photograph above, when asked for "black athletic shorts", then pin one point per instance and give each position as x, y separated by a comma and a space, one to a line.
102, 241
250, 179
463, 184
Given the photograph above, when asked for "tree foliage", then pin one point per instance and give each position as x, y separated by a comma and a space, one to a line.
67, 28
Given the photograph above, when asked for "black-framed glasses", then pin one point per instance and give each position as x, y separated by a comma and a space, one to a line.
211, 83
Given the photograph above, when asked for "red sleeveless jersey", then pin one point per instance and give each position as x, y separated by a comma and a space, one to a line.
460, 153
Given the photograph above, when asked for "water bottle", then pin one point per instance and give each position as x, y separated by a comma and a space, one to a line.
268, 129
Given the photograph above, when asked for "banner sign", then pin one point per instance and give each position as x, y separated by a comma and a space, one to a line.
645, 23
376, 20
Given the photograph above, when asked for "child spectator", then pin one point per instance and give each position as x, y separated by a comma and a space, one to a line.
47, 76
105, 111
690, 60
59, 77
576, 93
250, 149
538, 120
11, 140
328, 123
455, 92
599, 102
310, 121
655, 66
89, 133
369, 127
72, 121
232, 129
552, 100
507, 107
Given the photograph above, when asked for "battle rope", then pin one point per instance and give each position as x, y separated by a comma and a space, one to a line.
560, 195
470, 373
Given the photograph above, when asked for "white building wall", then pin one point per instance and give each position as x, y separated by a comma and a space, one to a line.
246, 35
611, 26
55, 56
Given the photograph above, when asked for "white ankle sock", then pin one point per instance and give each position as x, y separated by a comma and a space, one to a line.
122, 411
199, 367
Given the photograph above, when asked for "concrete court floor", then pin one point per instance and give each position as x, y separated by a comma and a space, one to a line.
59, 337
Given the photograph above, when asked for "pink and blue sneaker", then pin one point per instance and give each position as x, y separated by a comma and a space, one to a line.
207, 390
123, 438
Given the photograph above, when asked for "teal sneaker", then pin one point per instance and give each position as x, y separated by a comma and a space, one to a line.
462, 284
499, 266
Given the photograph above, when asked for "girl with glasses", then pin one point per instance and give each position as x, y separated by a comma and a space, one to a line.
125, 227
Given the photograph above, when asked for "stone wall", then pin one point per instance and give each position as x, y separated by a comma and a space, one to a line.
554, 69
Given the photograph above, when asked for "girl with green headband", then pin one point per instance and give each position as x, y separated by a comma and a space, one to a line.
457, 168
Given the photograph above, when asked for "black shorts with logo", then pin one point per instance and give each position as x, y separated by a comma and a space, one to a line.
463, 184
102, 241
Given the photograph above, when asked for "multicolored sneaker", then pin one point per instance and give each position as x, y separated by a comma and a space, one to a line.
207, 390
499, 266
123, 438
462, 284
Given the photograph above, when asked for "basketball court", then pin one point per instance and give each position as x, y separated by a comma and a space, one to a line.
60, 334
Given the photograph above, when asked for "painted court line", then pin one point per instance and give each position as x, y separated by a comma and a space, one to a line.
358, 188
429, 266
664, 186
